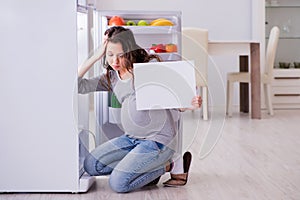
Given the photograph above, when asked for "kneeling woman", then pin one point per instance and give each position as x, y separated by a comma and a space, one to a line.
144, 152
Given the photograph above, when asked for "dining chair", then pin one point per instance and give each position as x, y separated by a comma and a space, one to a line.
266, 77
194, 47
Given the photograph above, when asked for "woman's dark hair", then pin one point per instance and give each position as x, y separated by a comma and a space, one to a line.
133, 53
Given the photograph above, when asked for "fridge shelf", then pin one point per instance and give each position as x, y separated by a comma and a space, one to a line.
169, 56
151, 29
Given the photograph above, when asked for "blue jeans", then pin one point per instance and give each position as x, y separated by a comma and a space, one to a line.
131, 163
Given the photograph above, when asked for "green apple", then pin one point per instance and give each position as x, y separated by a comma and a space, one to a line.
130, 23
142, 23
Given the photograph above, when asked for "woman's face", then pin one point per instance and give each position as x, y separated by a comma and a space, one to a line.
114, 55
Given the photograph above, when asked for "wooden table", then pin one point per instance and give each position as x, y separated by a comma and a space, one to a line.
243, 49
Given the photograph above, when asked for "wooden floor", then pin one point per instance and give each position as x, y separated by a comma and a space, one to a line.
254, 159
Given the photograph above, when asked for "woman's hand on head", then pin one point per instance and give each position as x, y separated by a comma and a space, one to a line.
99, 53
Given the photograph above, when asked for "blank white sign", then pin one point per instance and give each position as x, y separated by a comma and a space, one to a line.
164, 85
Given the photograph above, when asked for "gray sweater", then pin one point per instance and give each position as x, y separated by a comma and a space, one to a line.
157, 125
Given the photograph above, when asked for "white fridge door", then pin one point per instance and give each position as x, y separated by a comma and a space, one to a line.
38, 133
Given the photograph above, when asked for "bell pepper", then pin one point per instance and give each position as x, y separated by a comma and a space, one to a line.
158, 48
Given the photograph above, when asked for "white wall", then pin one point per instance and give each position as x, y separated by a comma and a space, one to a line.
225, 20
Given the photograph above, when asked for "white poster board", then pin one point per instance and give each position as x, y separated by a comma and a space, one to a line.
164, 85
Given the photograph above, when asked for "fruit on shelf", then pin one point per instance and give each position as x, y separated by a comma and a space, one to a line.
161, 22
156, 20
130, 23
116, 21
171, 47
142, 23
158, 48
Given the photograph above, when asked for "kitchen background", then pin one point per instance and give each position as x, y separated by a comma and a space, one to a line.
38, 75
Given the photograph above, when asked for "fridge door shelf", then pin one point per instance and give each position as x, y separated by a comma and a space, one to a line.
114, 115
85, 182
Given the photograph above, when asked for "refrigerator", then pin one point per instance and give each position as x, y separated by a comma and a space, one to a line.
45, 130
43, 120
107, 108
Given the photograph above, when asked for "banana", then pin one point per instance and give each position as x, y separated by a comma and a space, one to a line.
156, 20
162, 22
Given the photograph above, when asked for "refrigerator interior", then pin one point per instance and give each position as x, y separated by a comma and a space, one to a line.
107, 111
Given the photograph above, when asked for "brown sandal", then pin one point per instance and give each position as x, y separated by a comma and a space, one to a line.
181, 179
155, 181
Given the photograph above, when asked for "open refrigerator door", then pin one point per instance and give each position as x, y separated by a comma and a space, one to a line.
84, 134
